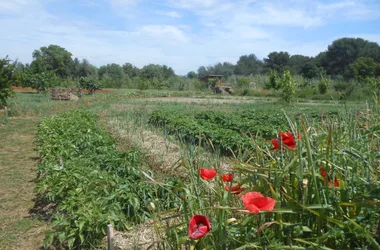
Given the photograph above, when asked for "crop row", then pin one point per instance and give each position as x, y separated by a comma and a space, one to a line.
201, 130
88, 181
252, 123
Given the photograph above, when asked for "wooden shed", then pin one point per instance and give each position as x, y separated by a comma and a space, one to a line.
212, 77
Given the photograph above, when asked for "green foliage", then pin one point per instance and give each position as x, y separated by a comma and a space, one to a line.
288, 86
40, 81
297, 63
130, 70
311, 211
89, 83
160, 72
225, 132
277, 61
362, 68
248, 64
6, 78
274, 81
243, 82
374, 85
311, 69
83, 69
112, 75
53, 58
323, 85
89, 182
192, 75
345, 51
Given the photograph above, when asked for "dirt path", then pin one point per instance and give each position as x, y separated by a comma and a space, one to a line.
201, 100
18, 229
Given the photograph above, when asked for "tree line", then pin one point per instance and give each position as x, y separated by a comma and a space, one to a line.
345, 57
348, 58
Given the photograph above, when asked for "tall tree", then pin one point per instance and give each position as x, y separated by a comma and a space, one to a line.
131, 70
362, 68
113, 74
192, 75
248, 64
296, 62
277, 60
342, 52
225, 69
6, 75
202, 72
53, 58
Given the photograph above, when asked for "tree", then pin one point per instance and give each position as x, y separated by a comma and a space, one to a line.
277, 61
53, 58
192, 75
345, 51
288, 86
113, 73
297, 62
90, 83
248, 64
6, 75
130, 70
202, 72
226, 69
83, 69
40, 81
156, 71
362, 68
311, 69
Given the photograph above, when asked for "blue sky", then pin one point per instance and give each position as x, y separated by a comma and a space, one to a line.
183, 34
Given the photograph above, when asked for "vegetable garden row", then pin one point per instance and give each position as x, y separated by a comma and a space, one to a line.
231, 133
89, 182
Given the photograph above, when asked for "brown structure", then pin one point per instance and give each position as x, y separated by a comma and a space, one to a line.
212, 77
64, 94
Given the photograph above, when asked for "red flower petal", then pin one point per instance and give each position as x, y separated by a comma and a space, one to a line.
276, 144
323, 172
336, 182
235, 189
207, 174
199, 226
252, 208
264, 203
227, 177
255, 201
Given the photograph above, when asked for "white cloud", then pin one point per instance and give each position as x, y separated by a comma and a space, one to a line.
195, 4
124, 2
173, 14
167, 32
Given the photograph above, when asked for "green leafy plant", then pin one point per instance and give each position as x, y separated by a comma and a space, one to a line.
89, 183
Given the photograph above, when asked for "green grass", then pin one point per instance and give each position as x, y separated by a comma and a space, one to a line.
19, 230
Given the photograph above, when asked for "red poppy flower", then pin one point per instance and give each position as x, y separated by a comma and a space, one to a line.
323, 172
227, 177
336, 183
207, 174
276, 144
235, 189
255, 201
287, 139
199, 226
